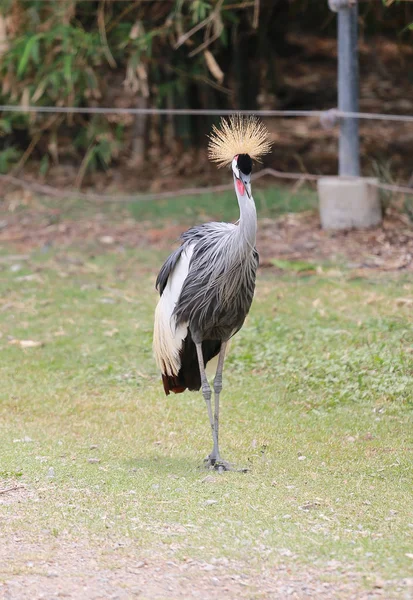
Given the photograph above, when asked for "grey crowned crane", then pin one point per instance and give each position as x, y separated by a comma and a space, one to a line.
207, 285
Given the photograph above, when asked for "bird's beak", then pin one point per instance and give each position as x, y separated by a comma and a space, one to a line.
246, 180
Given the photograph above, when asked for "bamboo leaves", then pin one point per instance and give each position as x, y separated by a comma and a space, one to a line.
60, 53
31, 50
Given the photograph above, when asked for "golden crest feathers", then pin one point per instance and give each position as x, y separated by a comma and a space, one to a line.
238, 135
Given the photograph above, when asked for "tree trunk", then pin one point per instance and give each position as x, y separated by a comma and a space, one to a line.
140, 132
4, 46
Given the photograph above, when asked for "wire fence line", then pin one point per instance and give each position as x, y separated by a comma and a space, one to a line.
54, 192
328, 116
48, 190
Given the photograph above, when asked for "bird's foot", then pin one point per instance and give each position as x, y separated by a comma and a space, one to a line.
217, 464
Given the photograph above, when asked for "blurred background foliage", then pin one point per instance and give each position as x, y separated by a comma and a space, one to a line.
143, 53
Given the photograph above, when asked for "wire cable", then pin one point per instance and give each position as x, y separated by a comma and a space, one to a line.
333, 113
47, 190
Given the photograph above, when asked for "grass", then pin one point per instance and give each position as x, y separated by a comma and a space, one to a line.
271, 202
317, 402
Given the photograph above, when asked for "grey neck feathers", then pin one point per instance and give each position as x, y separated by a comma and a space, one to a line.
247, 227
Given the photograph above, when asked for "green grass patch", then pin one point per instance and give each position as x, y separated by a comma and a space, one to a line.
271, 202
297, 266
317, 402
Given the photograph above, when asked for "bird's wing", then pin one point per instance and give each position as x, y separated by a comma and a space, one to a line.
168, 336
168, 333
167, 269
189, 239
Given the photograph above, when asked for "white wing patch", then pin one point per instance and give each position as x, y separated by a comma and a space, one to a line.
167, 337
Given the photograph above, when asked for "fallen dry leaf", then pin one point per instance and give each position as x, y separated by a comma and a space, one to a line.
398, 263
372, 299
111, 332
404, 301
140, 374
26, 343
107, 240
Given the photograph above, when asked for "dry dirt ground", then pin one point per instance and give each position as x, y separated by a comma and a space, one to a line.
41, 566
292, 237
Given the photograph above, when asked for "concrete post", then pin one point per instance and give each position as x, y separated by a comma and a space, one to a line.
348, 201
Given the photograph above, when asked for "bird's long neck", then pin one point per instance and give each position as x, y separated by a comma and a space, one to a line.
247, 228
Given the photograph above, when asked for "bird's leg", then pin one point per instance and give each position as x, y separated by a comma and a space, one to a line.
217, 390
214, 458
206, 392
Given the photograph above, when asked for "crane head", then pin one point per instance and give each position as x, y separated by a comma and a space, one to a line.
241, 168
238, 136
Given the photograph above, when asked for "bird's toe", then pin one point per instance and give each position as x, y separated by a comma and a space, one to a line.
221, 465
210, 462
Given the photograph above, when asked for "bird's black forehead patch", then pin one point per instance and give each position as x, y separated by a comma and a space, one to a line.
244, 163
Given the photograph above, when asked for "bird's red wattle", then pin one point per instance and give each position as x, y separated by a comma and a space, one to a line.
240, 187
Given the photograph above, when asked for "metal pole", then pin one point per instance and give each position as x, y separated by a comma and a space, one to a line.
348, 85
